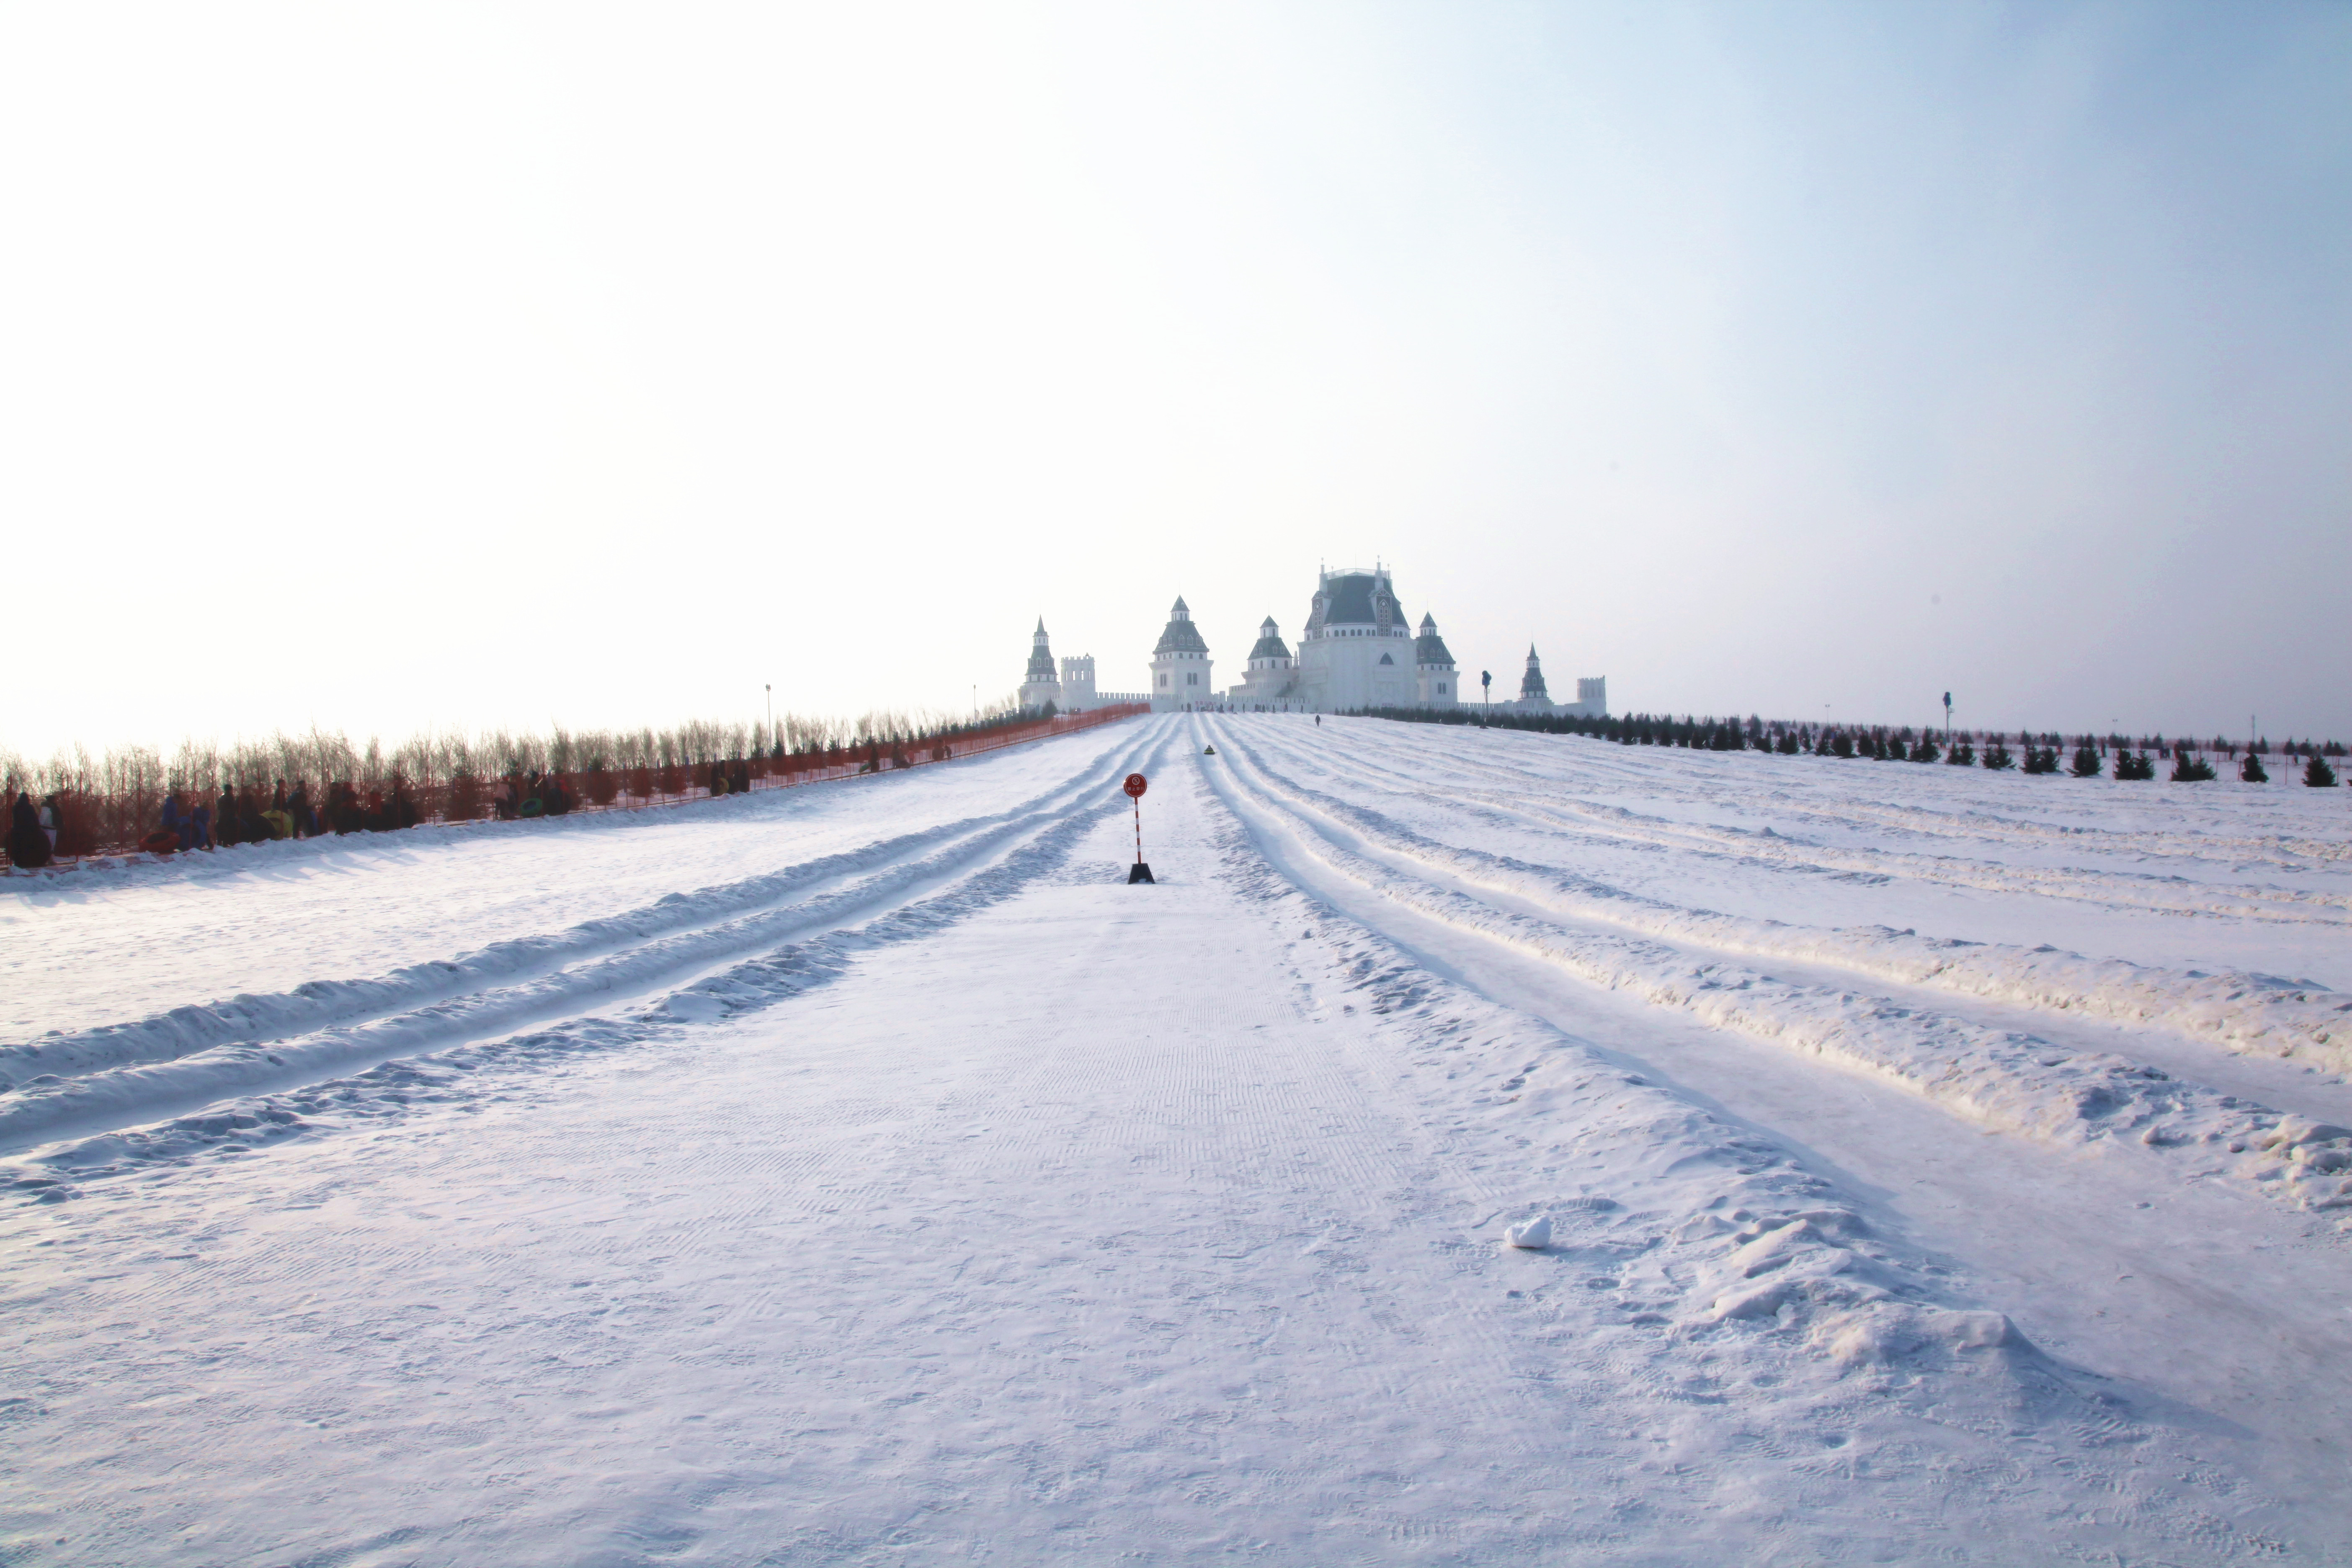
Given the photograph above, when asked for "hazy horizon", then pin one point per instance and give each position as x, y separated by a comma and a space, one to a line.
463, 366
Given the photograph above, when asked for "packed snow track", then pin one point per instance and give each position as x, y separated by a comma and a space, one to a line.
1940, 1166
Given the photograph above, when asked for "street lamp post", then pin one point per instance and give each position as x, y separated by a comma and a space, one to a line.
1486, 695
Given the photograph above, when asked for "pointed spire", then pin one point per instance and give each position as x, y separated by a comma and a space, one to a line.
1181, 636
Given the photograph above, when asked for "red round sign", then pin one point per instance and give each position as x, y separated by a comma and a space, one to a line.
1135, 786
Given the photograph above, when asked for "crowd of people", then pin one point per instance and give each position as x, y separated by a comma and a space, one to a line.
196, 820
522, 795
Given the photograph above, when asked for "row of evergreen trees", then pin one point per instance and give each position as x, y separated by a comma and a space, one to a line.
2093, 755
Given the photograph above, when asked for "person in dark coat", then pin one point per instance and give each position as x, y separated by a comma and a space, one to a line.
225, 823
199, 825
297, 806
27, 845
175, 816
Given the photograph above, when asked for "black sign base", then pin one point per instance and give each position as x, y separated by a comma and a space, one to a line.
1138, 872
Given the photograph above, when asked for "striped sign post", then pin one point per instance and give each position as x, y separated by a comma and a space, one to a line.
1135, 786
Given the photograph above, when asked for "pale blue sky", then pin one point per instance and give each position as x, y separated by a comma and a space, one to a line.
494, 364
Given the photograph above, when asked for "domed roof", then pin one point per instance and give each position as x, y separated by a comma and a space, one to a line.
1181, 636
1269, 644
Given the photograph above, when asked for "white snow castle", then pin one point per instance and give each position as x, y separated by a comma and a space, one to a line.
1072, 690
1357, 651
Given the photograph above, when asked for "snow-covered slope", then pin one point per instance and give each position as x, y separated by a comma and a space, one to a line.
1939, 1167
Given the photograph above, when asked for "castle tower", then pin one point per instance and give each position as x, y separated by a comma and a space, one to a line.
1272, 672
1078, 683
1179, 665
1356, 650
1532, 695
1269, 655
1040, 685
1435, 685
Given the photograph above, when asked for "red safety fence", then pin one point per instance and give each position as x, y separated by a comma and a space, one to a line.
98, 825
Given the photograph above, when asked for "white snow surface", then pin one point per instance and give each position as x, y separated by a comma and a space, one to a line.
1930, 1166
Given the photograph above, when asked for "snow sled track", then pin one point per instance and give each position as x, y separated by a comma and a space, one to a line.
1550, 806
1036, 1217
1928, 976
1546, 1099
521, 985
1996, 1078
2120, 1259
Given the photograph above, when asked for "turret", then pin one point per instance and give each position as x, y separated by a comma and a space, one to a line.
1040, 685
1434, 675
1180, 664
1531, 685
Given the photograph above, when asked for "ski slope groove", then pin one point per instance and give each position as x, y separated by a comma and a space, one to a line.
1930, 1166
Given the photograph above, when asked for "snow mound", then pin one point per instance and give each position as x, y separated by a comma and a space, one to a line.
1534, 1236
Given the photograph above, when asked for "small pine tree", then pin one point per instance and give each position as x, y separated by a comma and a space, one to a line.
2252, 771
2133, 765
1997, 757
2189, 768
2317, 774
1841, 744
1925, 751
1964, 755
2087, 761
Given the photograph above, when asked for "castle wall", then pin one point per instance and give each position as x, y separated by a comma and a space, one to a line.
1340, 667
